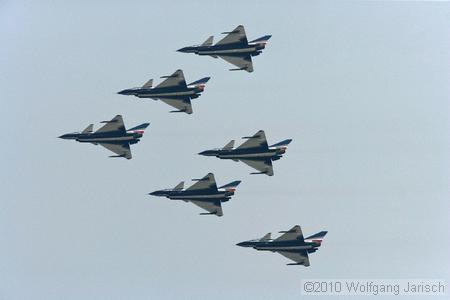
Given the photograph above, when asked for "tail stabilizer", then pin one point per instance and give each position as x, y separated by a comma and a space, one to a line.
281, 144
209, 41
231, 186
262, 39
229, 146
139, 127
318, 237
88, 129
200, 81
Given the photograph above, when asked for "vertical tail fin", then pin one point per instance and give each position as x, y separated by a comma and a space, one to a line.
281, 144
179, 186
231, 186
88, 129
200, 81
229, 146
262, 39
141, 127
318, 237
209, 41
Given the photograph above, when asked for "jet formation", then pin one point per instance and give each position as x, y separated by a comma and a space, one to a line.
291, 244
204, 193
234, 48
173, 91
254, 152
113, 136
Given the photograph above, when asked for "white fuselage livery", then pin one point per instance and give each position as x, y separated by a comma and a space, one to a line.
234, 154
219, 195
283, 248
167, 94
248, 155
228, 51
128, 137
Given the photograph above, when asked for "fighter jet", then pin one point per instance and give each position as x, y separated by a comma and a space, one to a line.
234, 48
113, 136
291, 245
173, 91
254, 152
203, 193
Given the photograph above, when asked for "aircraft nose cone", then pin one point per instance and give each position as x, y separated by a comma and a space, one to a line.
64, 136
182, 49
207, 153
124, 92
240, 244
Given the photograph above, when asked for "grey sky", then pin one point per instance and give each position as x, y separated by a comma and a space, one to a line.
361, 87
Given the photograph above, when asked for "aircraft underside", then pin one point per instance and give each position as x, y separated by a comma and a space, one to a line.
166, 95
198, 197
287, 248
104, 140
228, 51
248, 155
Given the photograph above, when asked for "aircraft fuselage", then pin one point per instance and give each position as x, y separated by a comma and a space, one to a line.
187, 195
281, 245
274, 154
172, 92
252, 49
103, 137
